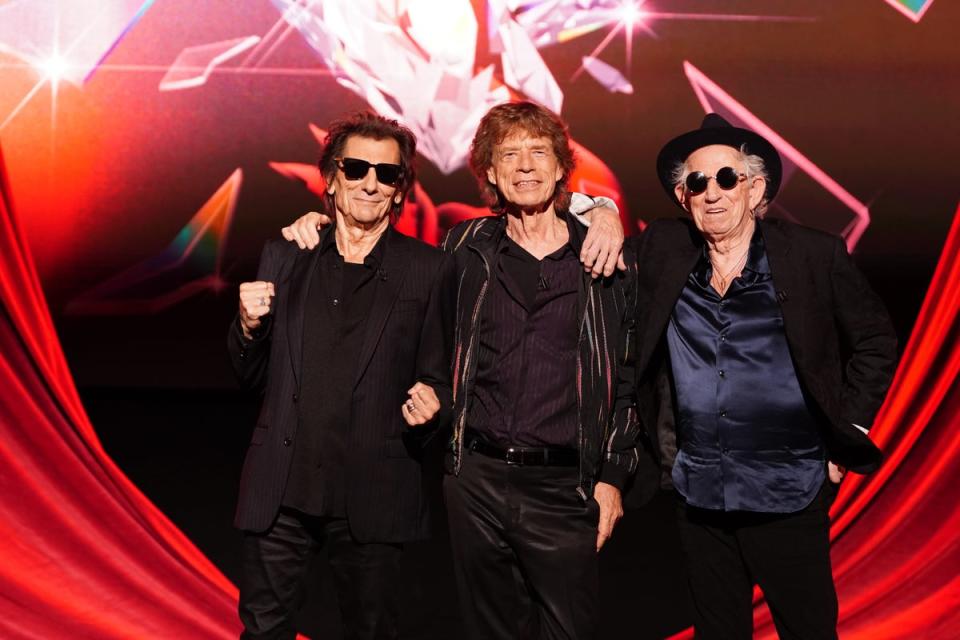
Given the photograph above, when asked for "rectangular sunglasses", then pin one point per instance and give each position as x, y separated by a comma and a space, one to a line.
356, 169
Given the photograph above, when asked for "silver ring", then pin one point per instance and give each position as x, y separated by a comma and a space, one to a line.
263, 301
411, 406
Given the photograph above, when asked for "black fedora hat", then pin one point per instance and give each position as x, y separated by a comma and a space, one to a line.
715, 130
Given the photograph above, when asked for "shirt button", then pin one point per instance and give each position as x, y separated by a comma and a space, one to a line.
336, 301
723, 414
722, 374
287, 442
295, 397
723, 337
725, 450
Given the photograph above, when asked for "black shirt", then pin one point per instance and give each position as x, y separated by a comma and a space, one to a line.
338, 303
525, 391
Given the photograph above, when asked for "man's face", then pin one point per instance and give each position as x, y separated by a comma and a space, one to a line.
525, 170
718, 212
365, 201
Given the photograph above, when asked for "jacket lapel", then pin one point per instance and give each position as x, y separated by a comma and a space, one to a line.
677, 263
393, 270
301, 277
789, 285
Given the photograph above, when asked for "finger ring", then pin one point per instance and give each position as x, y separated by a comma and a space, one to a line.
411, 406
263, 301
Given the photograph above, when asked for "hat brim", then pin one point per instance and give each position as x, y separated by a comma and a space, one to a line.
680, 148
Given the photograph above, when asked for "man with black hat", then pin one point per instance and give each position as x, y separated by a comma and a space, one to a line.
776, 355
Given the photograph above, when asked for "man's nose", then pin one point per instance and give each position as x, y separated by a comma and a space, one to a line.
369, 183
526, 161
713, 192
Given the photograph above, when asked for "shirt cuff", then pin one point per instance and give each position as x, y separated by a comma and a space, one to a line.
580, 203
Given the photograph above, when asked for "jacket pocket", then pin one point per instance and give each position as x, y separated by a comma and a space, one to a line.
259, 434
395, 448
408, 306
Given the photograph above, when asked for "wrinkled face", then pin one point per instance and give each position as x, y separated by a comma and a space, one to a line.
525, 170
719, 212
365, 201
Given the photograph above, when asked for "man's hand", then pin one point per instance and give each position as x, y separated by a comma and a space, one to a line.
602, 250
304, 230
421, 406
255, 302
836, 472
611, 510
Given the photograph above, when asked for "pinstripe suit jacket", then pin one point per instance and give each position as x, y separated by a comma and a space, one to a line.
405, 341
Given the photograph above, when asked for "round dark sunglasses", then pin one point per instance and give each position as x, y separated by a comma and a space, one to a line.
727, 178
356, 169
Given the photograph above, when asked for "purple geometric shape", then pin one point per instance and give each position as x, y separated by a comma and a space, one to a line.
831, 207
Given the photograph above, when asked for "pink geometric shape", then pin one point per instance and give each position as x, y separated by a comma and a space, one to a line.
194, 65
714, 99
913, 9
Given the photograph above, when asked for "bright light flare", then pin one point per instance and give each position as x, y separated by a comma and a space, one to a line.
631, 13
54, 68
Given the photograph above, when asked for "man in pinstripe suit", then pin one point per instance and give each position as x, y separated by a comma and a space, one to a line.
539, 456
348, 348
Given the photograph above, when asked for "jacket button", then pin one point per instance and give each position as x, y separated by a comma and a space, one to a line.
295, 397
287, 442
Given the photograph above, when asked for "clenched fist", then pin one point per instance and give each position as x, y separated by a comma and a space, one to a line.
256, 301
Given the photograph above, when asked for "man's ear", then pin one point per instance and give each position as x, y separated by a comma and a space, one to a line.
491, 176
681, 194
757, 188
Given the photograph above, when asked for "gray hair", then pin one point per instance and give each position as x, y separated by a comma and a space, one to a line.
754, 167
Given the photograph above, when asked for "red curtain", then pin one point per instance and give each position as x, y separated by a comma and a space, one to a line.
84, 554
896, 557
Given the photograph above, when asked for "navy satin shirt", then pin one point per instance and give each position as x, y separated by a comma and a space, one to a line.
748, 439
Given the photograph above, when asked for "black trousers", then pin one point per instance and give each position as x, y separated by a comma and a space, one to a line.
274, 564
788, 555
524, 550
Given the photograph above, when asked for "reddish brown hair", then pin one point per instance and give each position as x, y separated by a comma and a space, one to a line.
505, 120
366, 124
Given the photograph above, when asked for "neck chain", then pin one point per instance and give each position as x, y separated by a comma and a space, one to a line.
721, 281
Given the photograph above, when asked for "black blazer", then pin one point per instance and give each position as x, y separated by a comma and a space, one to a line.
406, 340
841, 339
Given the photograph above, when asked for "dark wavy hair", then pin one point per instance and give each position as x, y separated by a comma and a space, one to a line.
366, 124
511, 118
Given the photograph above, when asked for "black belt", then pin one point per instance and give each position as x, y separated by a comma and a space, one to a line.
533, 456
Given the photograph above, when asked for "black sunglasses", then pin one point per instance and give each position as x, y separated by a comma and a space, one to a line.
356, 169
727, 178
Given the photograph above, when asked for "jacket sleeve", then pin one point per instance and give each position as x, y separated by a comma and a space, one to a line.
250, 358
621, 452
866, 329
436, 342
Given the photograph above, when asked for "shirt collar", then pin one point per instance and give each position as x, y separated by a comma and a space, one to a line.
756, 264
506, 245
373, 259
